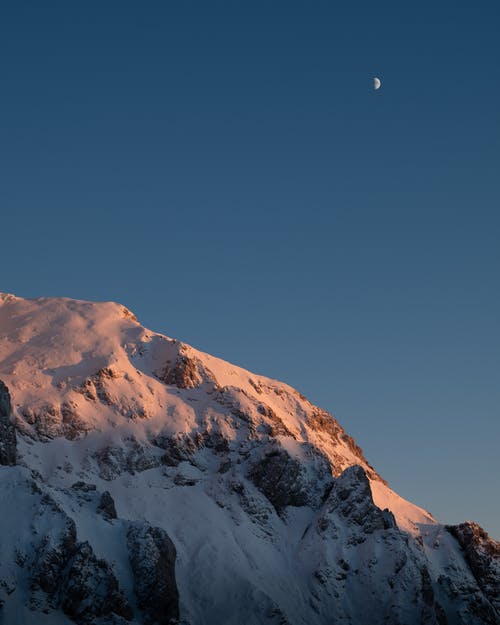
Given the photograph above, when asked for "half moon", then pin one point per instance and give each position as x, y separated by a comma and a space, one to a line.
377, 83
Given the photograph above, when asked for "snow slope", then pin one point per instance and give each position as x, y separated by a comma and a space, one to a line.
268, 508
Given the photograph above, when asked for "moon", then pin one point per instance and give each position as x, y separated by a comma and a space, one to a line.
377, 83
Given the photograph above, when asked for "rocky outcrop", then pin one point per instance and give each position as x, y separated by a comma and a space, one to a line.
323, 422
152, 558
103, 503
95, 387
67, 575
176, 448
182, 373
285, 482
256, 485
351, 499
53, 553
106, 506
7, 429
482, 553
50, 420
279, 477
130, 457
90, 588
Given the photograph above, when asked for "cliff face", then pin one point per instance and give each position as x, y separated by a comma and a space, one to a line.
156, 484
482, 554
7, 429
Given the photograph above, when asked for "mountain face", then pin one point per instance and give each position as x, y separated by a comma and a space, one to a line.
145, 482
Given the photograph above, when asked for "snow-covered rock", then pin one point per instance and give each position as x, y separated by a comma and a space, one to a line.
154, 483
7, 429
152, 558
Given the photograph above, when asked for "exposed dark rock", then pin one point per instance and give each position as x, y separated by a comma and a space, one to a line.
90, 589
53, 554
182, 373
95, 387
322, 421
482, 553
177, 448
72, 424
285, 482
351, 498
128, 314
256, 385
52, 420
440, 614
259, 512
152, 558
279, 477
106, 506
7, 429
71, 577
84, 487
131, 457
87, 389
102, 503
426, 586
183, 480
181, 447
389, 520
216, 441
45, 418
356, 449
111, 461
236, 401
276, 427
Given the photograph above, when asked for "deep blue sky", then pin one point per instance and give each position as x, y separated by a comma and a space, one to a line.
227, 171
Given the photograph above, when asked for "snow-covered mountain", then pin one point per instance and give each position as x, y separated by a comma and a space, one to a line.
145, 482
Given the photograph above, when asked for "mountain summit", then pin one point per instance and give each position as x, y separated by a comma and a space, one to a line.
146, 482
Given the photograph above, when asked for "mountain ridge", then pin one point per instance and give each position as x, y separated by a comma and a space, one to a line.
98, 400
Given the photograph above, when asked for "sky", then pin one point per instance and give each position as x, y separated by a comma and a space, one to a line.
226, 170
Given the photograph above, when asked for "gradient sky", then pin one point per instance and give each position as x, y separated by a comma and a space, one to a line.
226, 170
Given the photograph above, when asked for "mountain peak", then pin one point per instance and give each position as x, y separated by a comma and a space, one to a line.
191, 457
